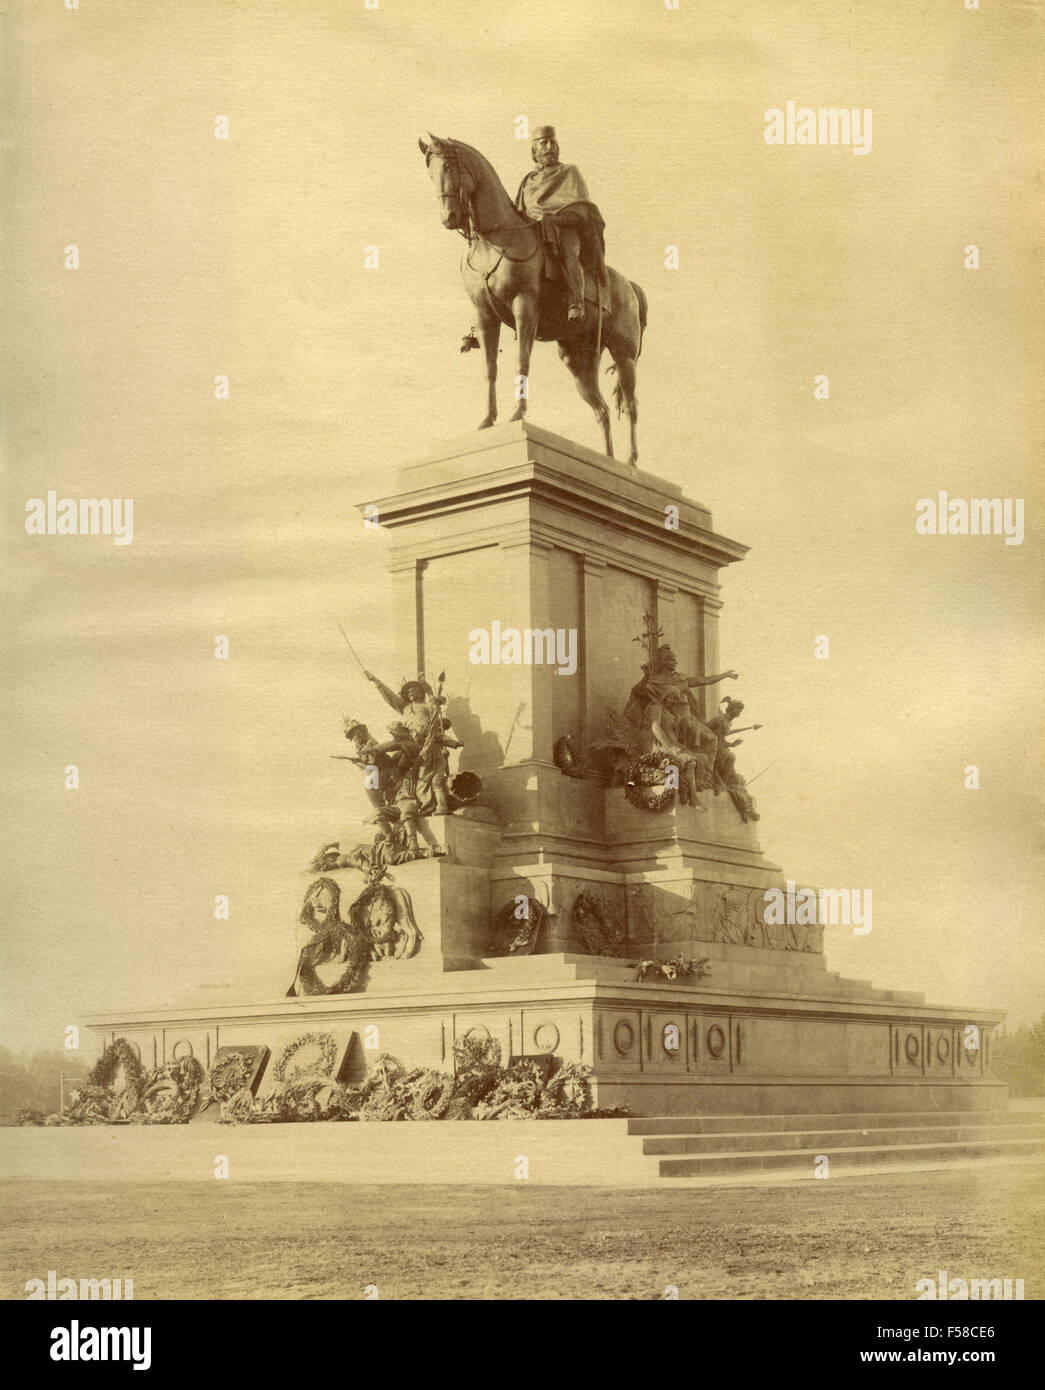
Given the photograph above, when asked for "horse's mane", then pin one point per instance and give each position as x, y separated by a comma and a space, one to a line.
477, 157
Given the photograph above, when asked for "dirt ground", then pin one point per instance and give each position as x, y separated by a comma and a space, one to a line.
858, 1238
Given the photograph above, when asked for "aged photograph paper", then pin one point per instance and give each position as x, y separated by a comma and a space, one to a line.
523, 654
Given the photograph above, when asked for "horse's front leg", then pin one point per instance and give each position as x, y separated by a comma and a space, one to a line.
490, 332
524, 311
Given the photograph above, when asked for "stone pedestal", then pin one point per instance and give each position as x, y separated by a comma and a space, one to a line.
518, 528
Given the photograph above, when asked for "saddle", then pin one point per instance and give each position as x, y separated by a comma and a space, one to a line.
552, 321
594, 289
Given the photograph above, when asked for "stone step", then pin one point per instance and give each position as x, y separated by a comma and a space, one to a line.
740, 977
802, 1161
824, 1140
746, 1124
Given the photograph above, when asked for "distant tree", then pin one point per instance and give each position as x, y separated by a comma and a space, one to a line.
1018, 1058
32, 1082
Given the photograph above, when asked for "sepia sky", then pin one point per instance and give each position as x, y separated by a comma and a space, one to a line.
244, 257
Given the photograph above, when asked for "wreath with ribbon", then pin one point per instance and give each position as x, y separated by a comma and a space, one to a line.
325, 1064
357, 945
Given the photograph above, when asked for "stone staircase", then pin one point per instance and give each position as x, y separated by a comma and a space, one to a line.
789, 1145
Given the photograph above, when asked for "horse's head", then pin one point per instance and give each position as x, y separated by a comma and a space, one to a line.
454, 183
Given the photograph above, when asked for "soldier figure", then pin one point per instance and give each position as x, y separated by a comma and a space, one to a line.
396, 781
422, 737
725, 773
556, 195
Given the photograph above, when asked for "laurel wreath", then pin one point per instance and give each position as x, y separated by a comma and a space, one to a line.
324, 1041
432, 1094
118, 1054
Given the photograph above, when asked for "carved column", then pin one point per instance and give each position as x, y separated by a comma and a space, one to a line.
710, 608
664, 616
407, 613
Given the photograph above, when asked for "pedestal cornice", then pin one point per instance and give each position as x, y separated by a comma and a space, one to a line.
520, 463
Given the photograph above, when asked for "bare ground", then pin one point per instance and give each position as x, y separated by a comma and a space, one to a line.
865, 1237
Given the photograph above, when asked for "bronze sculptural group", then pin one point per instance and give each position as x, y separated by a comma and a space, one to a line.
525, 267
662, 746
407, 777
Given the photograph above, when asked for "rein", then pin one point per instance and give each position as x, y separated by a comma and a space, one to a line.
474, 233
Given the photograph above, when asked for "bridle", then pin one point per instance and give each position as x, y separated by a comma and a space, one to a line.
471, 231
452, 164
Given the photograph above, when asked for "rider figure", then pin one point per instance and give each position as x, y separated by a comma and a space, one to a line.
556, 195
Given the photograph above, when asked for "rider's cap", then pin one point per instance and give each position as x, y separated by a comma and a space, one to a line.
544, 132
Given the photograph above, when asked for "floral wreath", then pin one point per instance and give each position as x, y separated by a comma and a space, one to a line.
118, 1053
638, 787
171, 1093
230, 1075
322, 1040
433, 1092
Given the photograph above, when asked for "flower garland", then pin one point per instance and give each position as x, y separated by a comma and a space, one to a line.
676, 968
328, 1053
480, 1088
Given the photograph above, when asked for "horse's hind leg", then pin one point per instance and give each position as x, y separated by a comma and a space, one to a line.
584, 364
626, 386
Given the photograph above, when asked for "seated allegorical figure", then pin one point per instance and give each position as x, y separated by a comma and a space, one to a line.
662, 677
678, 735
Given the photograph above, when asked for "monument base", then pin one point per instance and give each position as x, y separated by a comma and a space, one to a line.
763, 1036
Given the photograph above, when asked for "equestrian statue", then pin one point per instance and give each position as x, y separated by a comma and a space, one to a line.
537, 264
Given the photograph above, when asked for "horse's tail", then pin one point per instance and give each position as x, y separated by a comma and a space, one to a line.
640, 295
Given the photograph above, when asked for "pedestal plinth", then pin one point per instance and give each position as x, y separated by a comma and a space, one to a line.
515, 530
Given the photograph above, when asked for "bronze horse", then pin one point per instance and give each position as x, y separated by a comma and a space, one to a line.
503, 271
